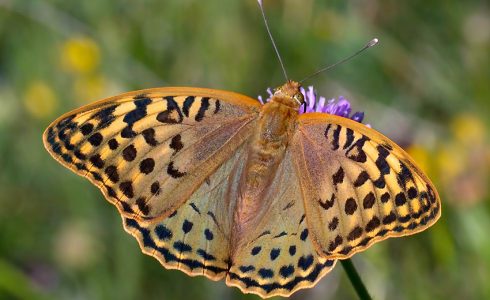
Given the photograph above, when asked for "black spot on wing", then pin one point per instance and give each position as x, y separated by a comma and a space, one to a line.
350, 206
66, 123
385, 197
404, 175
355, 233
172, 115
246, 269
208, 234
332, 225
289, 205
334, 244
67, 158
87, 128
135, 115
389, 218
127, 188
129, 153
217, 106
95, 139
187, 105
283, 233
338, 177
194, 207
369, 200
202, 253
380, 182
381, 162
302, 218
355, 151
142, 206
155, 188
327, 130
304, 234
336, 135
96, 176
113, 144
81, 167
266, 273
147, 165
149, 136
275, 253
202, 109
256, 250
182, 247
361, 179
328, 203
172, 171
400, 199
286, 271
304, 262
187, 226
78, 154
412, 193
97, 161
105, 116
349, 138
373, 224
176, 144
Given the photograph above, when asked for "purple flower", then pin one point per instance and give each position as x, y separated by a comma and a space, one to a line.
314, 103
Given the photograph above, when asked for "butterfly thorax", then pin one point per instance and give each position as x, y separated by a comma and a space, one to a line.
267, 147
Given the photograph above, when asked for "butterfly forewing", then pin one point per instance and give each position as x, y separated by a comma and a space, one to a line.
359, 186
148, 151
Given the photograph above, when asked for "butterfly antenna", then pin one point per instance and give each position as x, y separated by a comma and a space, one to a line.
370, 44
272, 39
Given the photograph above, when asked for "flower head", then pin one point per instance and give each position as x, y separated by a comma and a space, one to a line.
315, 103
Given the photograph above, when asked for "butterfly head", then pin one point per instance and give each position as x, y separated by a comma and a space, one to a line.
289, 94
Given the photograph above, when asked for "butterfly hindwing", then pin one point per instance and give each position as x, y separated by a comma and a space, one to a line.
277, 257
196, 237
359, 186
149, 150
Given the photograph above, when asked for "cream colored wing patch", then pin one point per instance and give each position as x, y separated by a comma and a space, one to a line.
359, 187
148, 151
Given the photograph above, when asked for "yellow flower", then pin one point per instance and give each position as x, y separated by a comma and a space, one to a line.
40, 100
80, 55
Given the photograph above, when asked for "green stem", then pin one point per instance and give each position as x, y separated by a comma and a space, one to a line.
355, 279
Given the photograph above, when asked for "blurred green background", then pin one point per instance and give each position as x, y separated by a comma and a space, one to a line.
426, 86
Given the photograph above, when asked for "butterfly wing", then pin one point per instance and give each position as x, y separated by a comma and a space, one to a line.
195, 238
277, 258
359, 187
148, 151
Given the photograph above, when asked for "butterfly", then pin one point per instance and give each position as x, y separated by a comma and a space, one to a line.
214, 183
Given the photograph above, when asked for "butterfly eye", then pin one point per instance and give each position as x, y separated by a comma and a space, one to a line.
299, 98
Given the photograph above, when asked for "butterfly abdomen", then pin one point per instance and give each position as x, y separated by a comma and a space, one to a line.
266, 151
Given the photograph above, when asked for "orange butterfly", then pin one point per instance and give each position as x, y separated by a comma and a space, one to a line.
213, 183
